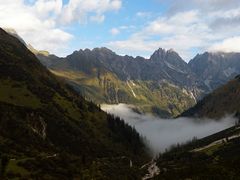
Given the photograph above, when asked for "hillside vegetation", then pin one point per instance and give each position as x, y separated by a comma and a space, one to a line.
49, 131
163, 99
214, 157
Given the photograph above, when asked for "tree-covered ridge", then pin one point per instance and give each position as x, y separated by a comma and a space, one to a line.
214, 157
49, 131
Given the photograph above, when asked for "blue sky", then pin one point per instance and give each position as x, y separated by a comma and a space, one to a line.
133, 27
129, 19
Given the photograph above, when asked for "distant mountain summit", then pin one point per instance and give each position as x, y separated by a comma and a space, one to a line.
171, 59
167, 64
215, 69
168, 56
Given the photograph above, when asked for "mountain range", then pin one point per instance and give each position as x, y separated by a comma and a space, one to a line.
164, 84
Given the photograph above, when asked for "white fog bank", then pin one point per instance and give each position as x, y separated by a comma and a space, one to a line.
162, 133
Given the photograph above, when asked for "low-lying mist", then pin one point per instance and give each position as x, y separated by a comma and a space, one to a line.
162, 133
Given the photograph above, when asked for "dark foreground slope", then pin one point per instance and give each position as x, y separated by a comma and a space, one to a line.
222, 101
47, 131
214, 157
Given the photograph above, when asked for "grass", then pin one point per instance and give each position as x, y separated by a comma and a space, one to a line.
166, 97
17, 94
209, 151
68, 106
13, 167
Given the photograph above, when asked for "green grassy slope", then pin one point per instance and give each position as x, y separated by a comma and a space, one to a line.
162, 99
48, 131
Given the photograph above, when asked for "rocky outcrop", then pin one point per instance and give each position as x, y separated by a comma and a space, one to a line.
215, 69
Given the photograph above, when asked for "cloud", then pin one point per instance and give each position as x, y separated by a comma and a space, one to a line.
80, 10
202, 5
45, 7
35, 23
97, 18
117, 30
194, 25
114, 31
227, 45
182, 32
162, 133
42, 23
142, 14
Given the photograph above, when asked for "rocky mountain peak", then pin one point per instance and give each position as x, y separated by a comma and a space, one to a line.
103, 50
164, 55
159, 54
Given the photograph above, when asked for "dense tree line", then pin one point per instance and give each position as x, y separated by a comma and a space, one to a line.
125, 133
3, 164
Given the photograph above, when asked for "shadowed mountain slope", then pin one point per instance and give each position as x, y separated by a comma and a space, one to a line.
48, 131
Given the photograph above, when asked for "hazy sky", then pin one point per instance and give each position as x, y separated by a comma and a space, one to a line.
134, 27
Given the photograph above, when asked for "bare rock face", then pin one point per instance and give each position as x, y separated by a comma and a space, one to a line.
38, 125
172, 68
215, 69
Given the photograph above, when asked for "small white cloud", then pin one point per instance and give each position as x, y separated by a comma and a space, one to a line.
114, 31
143, 14
98, 18
227, 45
